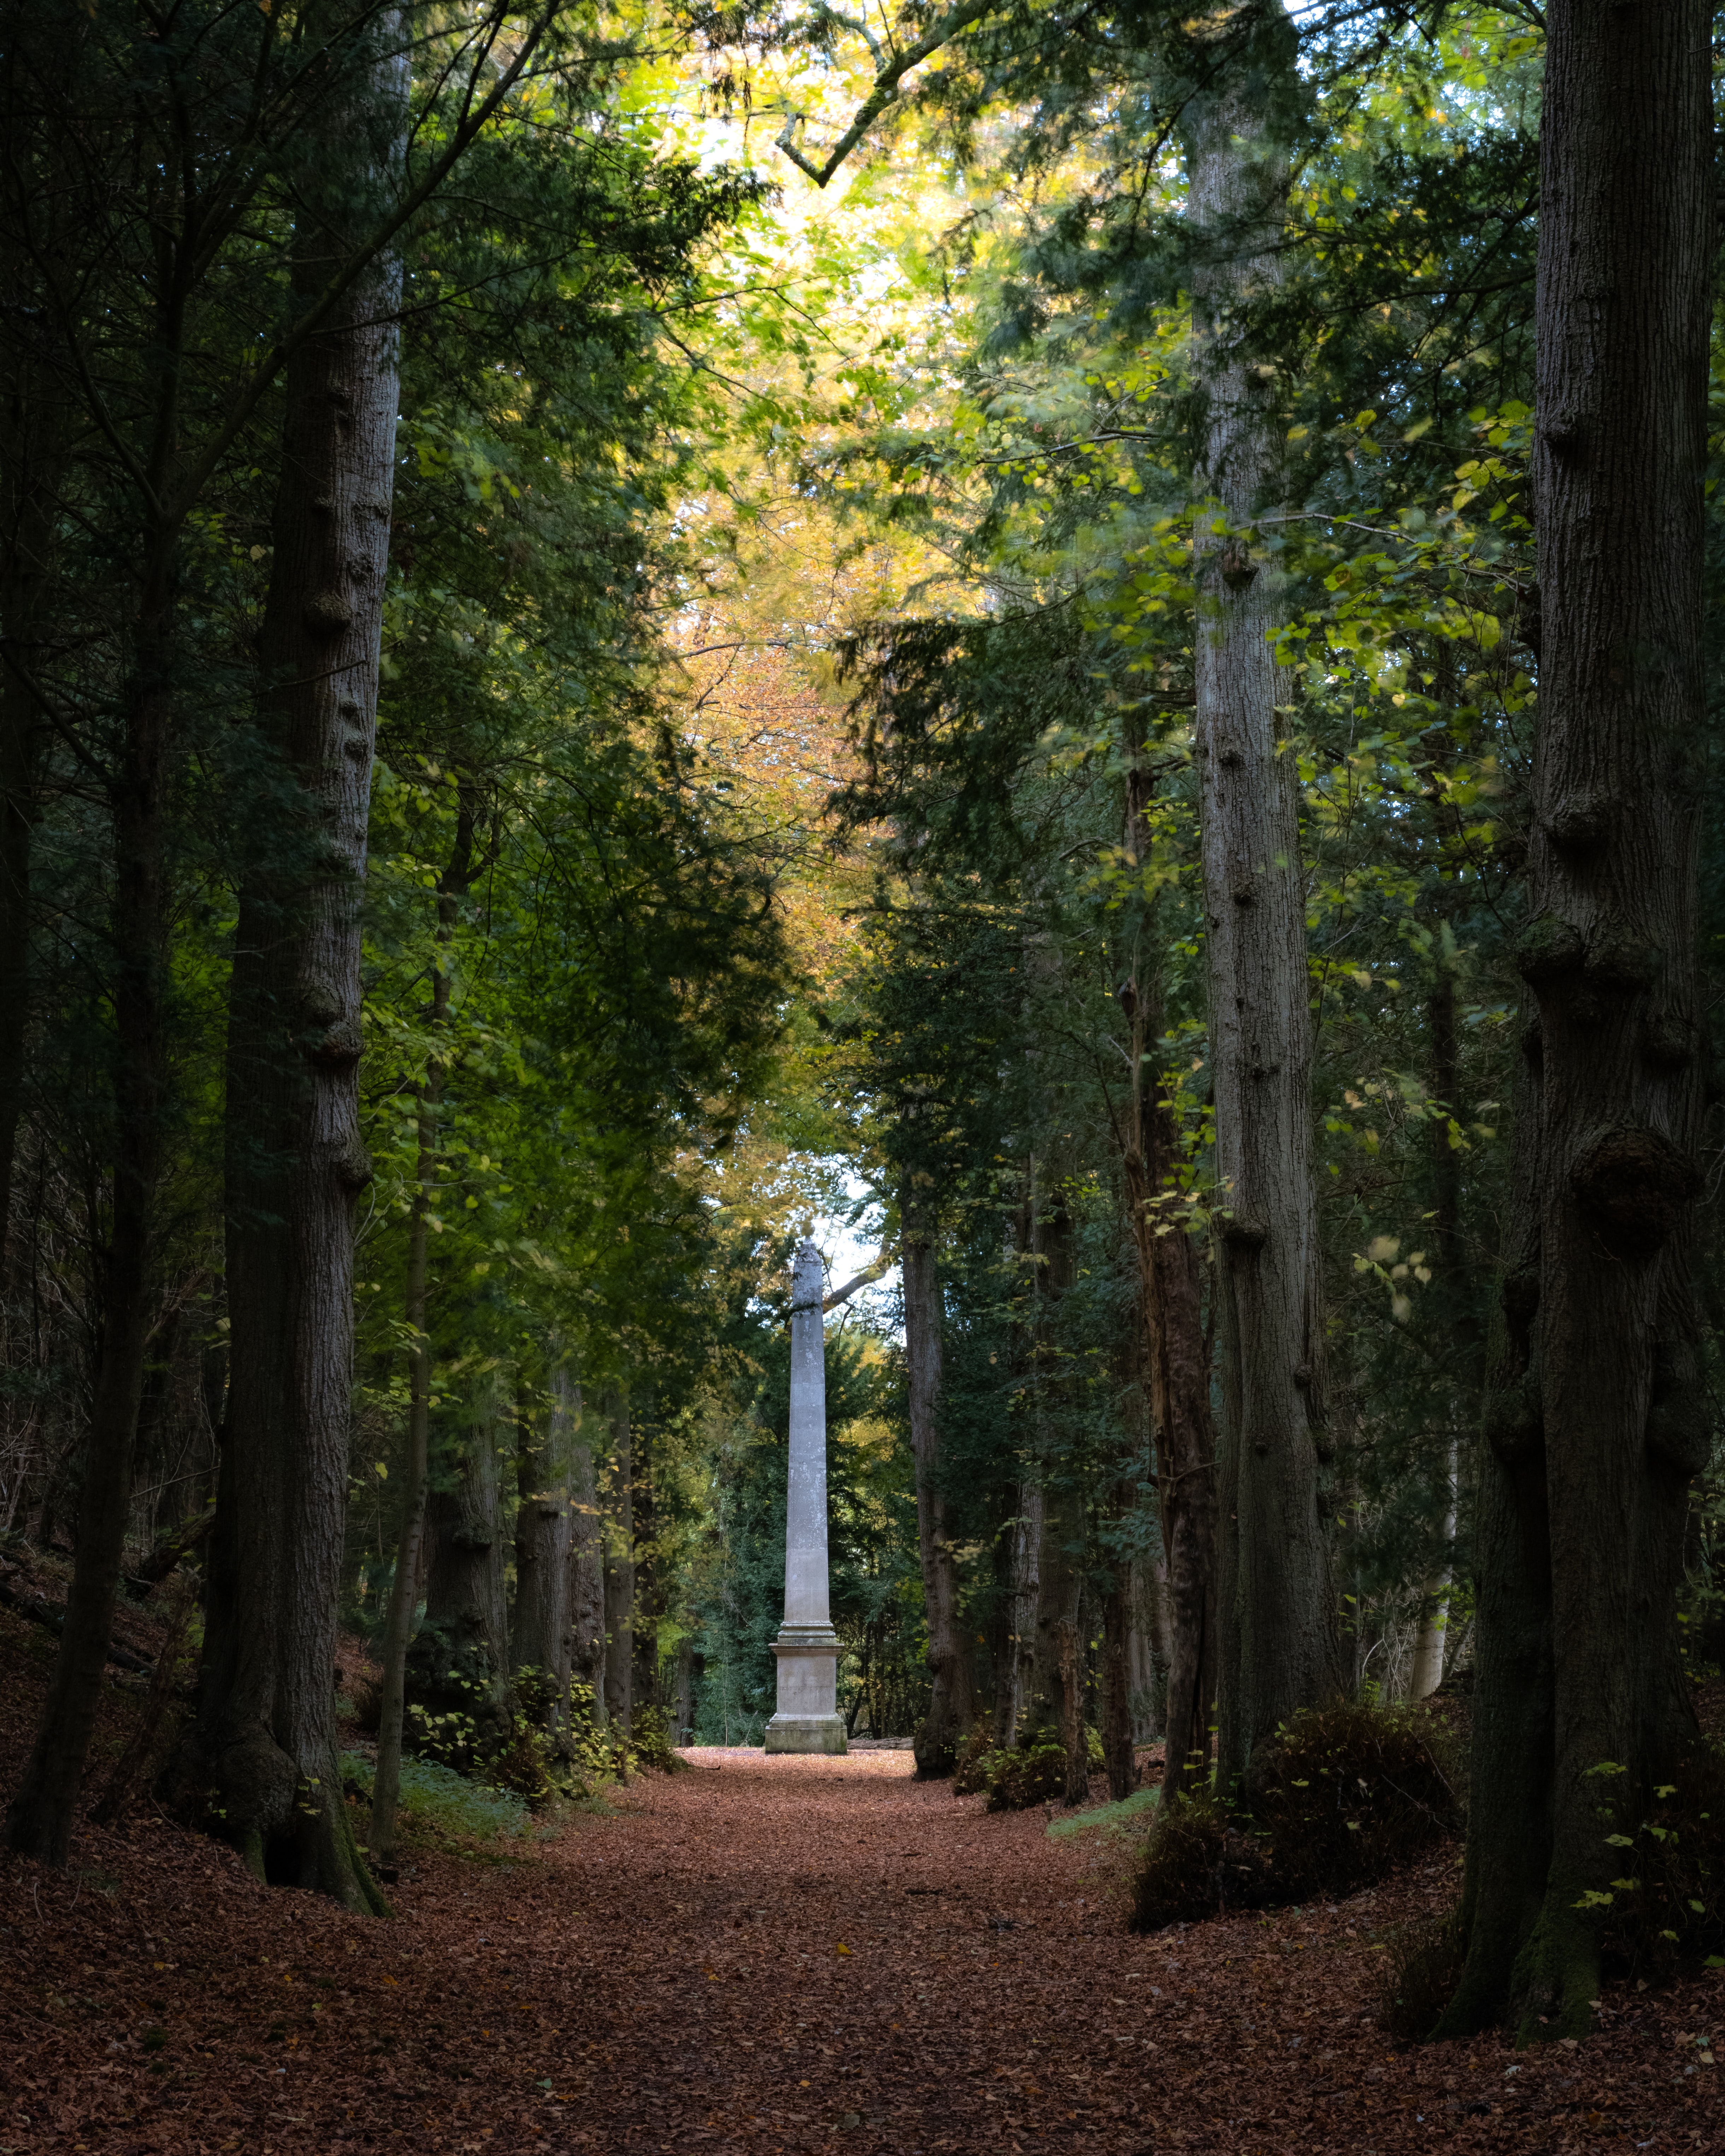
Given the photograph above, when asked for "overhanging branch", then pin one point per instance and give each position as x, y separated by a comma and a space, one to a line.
889, 73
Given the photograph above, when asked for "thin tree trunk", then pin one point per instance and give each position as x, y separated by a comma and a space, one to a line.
952, 1703
1149, 1649
1427, 1672
1279, 1649
410, 1547
1116, 1716
619, 1532
1596, 1419
1054, 1702
404, 1588
40, 1820
30, 467
1178, 1362
647, 1588
586, 1555
1026, 1599
539, 1634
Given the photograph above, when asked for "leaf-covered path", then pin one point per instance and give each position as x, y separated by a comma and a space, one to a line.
760, 1955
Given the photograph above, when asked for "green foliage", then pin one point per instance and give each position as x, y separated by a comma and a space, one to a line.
1127, 1816
651, 1741
1666, 1907
1342, 1796
1017, 1779
438, 1802
970, 1766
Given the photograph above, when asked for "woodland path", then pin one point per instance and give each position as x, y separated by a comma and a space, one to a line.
671, 1978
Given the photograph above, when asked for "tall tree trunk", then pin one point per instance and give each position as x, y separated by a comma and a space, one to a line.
1279, 1649
31, 461
410, 1547
1013, 1709
39, 1820
586, 1551
459, 1663
648, 1599
1118, 1757
1427, 1671
1149, 1648
1596, 1420
619, 1531
1177, 1358
952, 1703
1054, 1702
539, 1629
295, 1162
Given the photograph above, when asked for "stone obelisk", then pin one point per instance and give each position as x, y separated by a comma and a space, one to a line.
807, 1719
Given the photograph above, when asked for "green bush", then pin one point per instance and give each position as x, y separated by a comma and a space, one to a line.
1339, 1798
436, 1800
1666, 1904
970, 1768
650, 1742
1018, 1779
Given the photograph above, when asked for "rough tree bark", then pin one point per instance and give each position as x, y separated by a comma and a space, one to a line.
1596, 1420
1278, 1650
459, 1662
952, 1704
620, 1546
295, 1162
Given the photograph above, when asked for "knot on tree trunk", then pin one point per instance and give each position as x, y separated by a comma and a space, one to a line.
327, 613
353, 1163
1618, 958
1668, 1043
1580, 820
1512, 1420
1548, 949
1633, 1185
340, 1046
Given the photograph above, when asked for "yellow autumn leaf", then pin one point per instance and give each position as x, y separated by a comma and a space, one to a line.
841, 1948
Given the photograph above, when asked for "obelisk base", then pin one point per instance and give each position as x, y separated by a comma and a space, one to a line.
807, 1719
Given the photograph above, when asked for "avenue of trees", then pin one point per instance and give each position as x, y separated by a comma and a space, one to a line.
1233, 496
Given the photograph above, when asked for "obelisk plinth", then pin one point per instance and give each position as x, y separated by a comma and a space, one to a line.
807, 1719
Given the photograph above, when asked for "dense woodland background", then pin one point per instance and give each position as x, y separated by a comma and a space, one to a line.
575, 700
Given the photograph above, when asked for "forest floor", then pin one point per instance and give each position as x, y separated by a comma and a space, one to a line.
757, 1955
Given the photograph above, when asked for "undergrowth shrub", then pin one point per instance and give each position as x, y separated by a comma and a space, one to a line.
1339, 1797
1424, 1970
1015, 1780
437, 1801
970, 1766
1667, 1904
651, 1741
